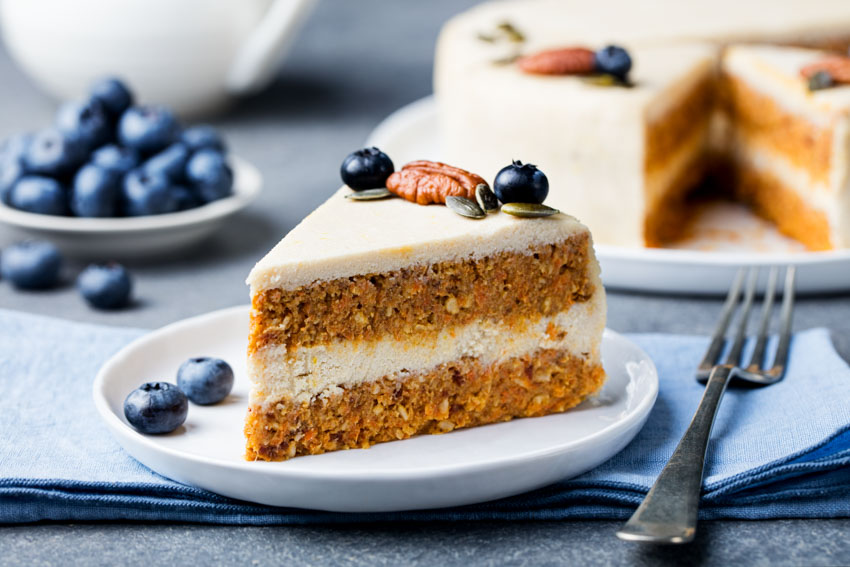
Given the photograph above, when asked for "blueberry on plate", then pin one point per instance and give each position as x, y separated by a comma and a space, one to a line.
32, 264
95, 192
210, 176
116, 158
186, 197
205, 380
366, 169
203, 137
105, 286
144, 193
85, 121
35, 194
10, 172
53, 153
156, 407
613, 60
147, 128
170, 162
113, 95
521, 183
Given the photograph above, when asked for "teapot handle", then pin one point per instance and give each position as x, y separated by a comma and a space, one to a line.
254, 64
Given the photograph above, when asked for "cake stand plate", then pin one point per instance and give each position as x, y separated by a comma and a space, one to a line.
726, 236
432, 471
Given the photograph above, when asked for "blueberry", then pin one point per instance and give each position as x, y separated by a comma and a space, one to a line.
31, 264
95, 192
116, 158
156, 407
147, 128
54, 154
10, 172
85, 121
113, 95
170, 162
14, 147
147, 194
41, 195
210, 176
366, 169
521, 183
205, 380
613, 60
203, 137
105, 286
186, 197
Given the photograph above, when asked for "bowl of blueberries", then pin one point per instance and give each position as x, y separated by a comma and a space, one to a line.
111, 178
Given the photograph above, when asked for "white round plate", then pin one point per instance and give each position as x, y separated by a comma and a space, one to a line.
431, 471
727, 236
132, 237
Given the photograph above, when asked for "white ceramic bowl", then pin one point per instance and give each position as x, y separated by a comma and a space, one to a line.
134, 237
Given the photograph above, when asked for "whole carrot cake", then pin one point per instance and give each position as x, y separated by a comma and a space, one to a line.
689, 94
377, 321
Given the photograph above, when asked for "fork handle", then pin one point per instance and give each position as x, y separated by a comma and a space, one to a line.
668, 514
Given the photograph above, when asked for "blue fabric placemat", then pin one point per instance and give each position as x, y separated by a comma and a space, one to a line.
780, 451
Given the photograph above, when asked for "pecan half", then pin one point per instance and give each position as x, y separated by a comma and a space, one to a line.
838, 67
426, 182
565, 61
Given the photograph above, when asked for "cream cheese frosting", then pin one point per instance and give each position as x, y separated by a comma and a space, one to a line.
590, 140
326, 369
344, 238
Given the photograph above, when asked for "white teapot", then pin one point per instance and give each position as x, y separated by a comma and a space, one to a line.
192, 55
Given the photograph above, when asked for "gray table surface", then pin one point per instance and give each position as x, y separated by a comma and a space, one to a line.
354, 63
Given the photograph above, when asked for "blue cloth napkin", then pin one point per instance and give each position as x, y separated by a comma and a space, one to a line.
780, 451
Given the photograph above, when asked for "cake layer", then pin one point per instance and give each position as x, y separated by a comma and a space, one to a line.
322, 370
343, 238
782, 204
780, 132
424, 299
761, 118
461, 393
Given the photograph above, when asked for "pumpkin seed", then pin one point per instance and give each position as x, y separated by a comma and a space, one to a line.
513, 34
606, 80
465, 207
370, 194
528, 210
486, 199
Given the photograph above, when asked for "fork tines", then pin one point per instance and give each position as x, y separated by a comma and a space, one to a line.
756, 370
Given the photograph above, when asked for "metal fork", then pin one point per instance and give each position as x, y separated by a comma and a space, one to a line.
668, 514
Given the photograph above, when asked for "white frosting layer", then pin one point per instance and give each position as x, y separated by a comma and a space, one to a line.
589, 140
323, 370
775, 72
627, 21
344, 238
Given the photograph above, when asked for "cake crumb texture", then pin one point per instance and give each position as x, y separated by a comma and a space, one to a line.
458, 394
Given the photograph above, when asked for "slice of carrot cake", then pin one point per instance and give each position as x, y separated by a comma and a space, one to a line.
380, 320
790, 139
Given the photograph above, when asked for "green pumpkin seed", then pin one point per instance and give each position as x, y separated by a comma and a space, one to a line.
465, 207
606, 80
528, 210
512, 34
486, 199
370, 194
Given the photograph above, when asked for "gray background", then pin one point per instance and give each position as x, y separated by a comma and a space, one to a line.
354, 63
